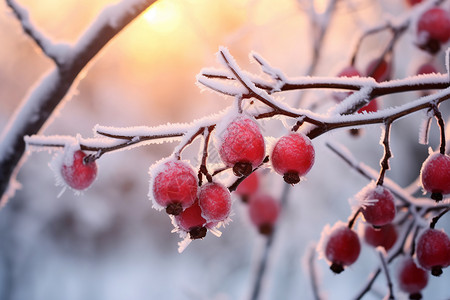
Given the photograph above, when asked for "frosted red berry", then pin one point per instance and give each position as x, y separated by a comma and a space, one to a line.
433, 29
385, 236
379, 69
426, 69
191, 221
342, 248
215, 201
433, 251
81, 173
242, 145
174, 186
248, 186
378, 205
264, 211
411, 279
435, 175
293, 156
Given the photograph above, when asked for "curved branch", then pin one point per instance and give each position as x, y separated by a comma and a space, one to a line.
36, 109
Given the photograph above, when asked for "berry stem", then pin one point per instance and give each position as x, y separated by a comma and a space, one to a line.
384, 163
203, 169
436, 218
441, 124
384, 264
351, 222
313, 272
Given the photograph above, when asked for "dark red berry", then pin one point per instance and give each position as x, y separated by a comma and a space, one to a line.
342, 248
174, 186
411, 279
215, 201
241, 145
293, 156
435, 175
413, 2
248, 186
433, 251
433, 29
385, 236
80, 173
379, 69
264, 211
192, 222
372, 106
426, 69
349, 71
378, 206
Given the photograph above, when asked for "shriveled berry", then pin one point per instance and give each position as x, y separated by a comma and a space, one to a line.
342, 248
248, 186
379, 69
264, 211
174, 186
433, 251
293, 156
411, 279
435, 175
378, 206
385, 236
191, 221
241, 145
433, 29
81, 173
215, 201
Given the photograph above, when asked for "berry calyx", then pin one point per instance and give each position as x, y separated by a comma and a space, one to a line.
435, 175
248, 186
174, 186
81, 173
385, 236
411, 278
293, 156
264, 211
378, 206
191, 221
215, 201
433, 251
433, 29
242, 145
342, 248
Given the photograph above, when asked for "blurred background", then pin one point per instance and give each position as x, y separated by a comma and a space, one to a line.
108, 243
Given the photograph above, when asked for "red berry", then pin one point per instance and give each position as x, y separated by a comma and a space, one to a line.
349, 71
435, 175
215, 202
248, 186
380, 70
385, 236
411, 279
264, 211
242, 145
413, 2
433, 251
378, 206
293, 156
175, 186
426, 69
342, 248
81, 173
191, 221
372, 106
433, 29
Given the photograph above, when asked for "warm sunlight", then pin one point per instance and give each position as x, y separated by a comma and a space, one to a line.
164, 16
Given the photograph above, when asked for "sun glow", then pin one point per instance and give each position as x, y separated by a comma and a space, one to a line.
163, 16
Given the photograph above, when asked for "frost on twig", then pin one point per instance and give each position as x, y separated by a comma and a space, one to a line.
40, 103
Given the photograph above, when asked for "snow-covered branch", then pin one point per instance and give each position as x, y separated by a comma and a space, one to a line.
40, 103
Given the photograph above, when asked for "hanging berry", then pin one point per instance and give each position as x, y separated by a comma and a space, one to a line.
215, 201
264, 211
433, 29
241, 145
191, 221
80, 174
433, 251
385, 236
411, 279
248, 186
435, 175
174, 186
377, 205
342, 248
293, 156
